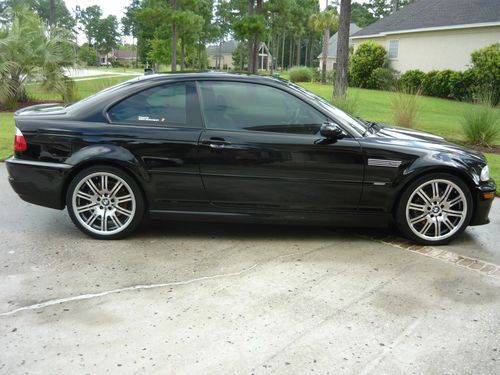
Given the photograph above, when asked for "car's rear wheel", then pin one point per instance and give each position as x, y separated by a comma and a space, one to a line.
105, 202
434, 209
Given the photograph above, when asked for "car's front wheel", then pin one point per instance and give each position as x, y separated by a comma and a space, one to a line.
105, 202
434, 209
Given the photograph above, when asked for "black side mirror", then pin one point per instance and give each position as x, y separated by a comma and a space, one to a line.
329, 130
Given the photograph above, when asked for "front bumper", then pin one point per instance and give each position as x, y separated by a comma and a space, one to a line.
482, 204
37, 182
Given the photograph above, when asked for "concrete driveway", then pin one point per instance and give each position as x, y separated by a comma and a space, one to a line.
193, 298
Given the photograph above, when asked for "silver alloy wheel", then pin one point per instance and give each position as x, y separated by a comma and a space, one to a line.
103, 203
436, 210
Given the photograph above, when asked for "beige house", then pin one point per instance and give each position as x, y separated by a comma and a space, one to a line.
435, 34
332, 48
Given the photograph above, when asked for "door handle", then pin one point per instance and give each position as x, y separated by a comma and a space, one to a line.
215, 142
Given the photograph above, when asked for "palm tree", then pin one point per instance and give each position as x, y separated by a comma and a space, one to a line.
30, 51
323, 22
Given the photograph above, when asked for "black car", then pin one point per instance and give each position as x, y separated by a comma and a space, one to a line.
214, 146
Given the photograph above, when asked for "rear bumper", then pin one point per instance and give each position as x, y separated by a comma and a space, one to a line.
482, 204
37, 182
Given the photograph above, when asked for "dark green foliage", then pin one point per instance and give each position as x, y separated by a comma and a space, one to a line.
384, 78
367, 57
437, 83
411, 80
486, 65
87, 55
463, 84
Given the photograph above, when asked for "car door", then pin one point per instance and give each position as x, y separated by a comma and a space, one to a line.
261, 149
161, 126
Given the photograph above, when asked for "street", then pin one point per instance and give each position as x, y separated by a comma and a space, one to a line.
198, 298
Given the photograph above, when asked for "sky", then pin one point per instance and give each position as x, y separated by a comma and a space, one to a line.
117, 8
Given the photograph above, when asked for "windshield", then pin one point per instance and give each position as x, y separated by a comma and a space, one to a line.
346, 119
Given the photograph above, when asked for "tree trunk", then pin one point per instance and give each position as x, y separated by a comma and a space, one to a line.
290, 54
283, 52
52, 13
311, 51
340, 87
324, 56
251, 40
394, 6
182, 53
298, 51
306, 60
174, 40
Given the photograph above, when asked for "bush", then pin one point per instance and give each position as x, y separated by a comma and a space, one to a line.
330, 76
384, 78
463, 84
301, 74
405, 105
486, 66
437, 83
411, 80
481, 124
367, 57
349, 104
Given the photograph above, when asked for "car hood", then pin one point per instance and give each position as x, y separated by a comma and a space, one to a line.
415, 139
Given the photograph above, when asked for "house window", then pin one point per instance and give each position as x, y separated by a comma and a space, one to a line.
393, 49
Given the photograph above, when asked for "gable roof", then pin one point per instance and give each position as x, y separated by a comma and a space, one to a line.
332, 42
426, 14
227, 47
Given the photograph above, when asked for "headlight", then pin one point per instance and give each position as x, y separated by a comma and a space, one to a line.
485, 173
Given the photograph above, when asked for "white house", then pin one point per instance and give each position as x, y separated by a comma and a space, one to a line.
332, 48
435, 34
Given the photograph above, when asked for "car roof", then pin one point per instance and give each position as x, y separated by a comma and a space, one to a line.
202, 75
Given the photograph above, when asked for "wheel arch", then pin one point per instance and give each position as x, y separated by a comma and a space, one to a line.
102, 162
461, 174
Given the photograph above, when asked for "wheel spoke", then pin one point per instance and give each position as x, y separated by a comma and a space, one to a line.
446, 194
123, 211
115, 220
115, 189
418, 219
426, 227
422, 194
437, 228
453, 213
86, 208
454, 201
104, 182
448, 224
125, 198
435, 190
104, 222
92, 186
416, 207
85, 196
92, 218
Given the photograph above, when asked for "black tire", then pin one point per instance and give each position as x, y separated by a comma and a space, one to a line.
412, 221
114, 213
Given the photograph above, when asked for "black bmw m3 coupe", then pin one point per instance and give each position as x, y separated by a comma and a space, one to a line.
214, 146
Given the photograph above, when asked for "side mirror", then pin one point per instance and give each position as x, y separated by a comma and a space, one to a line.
329, 130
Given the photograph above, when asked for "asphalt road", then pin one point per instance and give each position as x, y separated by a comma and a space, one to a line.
189, 298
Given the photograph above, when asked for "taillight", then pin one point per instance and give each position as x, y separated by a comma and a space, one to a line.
19, 141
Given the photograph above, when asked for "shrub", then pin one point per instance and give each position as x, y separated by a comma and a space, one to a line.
481, 124
301, 74
367, 57
486, 65
411, 80
437, 83
405, 106
349, 104
330, 76
384, 78
463, 84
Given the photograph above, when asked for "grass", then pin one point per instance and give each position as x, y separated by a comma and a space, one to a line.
438, 116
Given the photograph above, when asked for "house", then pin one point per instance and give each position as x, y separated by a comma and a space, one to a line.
221, 56
123, 56
332, 48
435, 34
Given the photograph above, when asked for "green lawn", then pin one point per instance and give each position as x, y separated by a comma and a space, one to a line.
437, 116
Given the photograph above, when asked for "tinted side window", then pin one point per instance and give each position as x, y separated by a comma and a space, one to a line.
162, 105
254, 107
